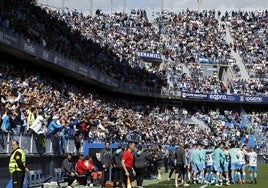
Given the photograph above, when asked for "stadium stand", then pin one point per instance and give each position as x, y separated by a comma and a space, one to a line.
47, 106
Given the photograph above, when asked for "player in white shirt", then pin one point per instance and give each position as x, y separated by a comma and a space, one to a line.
242, 161
209, 168
252, 157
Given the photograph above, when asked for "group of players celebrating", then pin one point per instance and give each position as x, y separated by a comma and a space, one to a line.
224, 164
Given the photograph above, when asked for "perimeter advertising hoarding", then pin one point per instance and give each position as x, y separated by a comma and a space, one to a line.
225, 98
198, 96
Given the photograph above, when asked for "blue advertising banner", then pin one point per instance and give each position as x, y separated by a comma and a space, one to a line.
200, 96
255, 99
225, 97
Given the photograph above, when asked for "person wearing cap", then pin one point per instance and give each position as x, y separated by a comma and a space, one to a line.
54, 126
54, 129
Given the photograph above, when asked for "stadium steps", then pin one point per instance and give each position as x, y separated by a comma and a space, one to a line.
235, 55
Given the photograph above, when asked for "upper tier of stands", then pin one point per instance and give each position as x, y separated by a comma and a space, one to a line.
110, 44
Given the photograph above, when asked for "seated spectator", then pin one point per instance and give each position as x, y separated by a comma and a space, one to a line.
68, 170
94, 173
82, 169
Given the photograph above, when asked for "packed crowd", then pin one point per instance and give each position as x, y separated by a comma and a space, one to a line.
32, 102
114, 40
110, 43
249, 30
172, 36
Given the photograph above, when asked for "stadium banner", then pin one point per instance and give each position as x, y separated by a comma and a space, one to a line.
225, 97
199, 96
9, 39
149, 56
255, 99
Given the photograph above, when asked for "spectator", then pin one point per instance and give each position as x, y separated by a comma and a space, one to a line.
6, 121
68, 170
106, 162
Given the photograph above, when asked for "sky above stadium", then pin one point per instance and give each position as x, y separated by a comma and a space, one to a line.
155, 5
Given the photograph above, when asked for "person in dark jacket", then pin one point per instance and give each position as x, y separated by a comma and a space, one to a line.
106, 162
118, 169
141, 162
158, 160
68, 170
180, 168
172, 163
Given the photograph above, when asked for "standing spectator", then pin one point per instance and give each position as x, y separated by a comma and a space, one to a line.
54, 129
180, 167
68, 171
30, 117
6, 123
128, 163
118, 169
106, 162
17, 164
17, 121
38, 133
141, 159
77, 141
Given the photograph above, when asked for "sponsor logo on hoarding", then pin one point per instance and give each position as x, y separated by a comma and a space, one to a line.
253, 99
